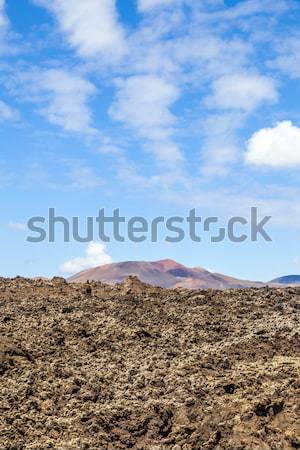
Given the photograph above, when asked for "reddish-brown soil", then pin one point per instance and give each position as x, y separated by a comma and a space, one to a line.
89, 366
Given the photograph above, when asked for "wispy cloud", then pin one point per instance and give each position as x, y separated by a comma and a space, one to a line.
62, 97
287, 59
244, 91
91, 27
220, 146
3, 17
66, 97
81, 176
7, 113
68, 174
149, 5
5, 48
242, 10
143, 104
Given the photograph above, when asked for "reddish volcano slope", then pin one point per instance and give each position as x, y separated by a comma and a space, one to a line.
165, 273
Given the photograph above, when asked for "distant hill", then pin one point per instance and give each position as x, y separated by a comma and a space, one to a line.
165, 273
287, 280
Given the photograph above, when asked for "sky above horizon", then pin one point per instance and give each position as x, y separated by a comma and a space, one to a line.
155, 107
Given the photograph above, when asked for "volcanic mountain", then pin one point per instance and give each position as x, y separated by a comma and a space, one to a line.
288, 280
165, 273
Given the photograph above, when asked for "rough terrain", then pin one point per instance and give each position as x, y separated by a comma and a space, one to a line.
90, 366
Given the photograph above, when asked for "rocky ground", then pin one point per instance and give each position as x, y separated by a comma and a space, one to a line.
88, 366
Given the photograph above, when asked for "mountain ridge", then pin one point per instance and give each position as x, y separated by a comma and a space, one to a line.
287, 280
165, 273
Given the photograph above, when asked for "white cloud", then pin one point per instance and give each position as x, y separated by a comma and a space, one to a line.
69, 95
147, 5
7, 113
275, 147
95, 256
143, 104
242, 91
91, 26
63, 97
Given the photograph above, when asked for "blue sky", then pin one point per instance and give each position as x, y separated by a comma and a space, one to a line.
154, 107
